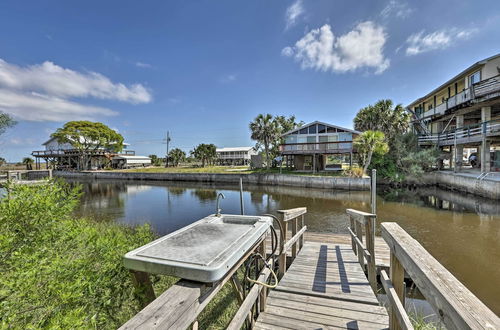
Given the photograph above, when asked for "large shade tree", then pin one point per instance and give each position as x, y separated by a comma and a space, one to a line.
88, 137
370, 143
206, 153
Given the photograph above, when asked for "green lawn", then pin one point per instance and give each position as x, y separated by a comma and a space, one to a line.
226, 170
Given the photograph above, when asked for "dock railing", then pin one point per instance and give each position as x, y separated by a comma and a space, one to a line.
359, 220
291, 219
180, 305
455, 305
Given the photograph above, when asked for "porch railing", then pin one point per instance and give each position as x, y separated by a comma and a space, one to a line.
487, 127
477, 91
317, 146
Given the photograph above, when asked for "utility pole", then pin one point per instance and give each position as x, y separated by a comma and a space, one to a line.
168, 141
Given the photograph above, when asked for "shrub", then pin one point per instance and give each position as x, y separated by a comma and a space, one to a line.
61, 272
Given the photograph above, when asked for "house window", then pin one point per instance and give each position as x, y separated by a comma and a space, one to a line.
303, 131
321, 128
290, 139
474, 78
312, 129
332, 130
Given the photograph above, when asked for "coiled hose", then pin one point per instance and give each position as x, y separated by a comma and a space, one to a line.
253, 262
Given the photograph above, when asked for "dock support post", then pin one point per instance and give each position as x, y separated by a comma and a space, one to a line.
373, 189
397, 279
143, 287
242, 207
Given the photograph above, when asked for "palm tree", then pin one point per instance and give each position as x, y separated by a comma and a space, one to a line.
28, 162
369, 143
264, 130
177, 156
205, 153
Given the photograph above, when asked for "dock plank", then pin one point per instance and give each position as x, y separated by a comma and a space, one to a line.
324, 288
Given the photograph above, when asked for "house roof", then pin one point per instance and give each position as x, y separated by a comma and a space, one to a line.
470, 68
233, 149
321, 123
132, 157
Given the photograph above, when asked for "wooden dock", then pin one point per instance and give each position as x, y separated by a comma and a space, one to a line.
324, 287
325, 281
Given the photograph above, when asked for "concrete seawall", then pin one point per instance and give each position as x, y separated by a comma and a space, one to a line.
487, 187
259, 179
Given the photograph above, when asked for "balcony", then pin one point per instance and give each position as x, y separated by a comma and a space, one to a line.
76, 152
337, 147
467, 134
479, 92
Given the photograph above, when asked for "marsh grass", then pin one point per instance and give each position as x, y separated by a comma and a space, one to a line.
63, 272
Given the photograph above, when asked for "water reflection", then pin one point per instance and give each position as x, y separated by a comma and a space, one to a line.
459, 230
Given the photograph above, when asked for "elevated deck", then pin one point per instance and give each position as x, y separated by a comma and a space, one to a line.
324, 287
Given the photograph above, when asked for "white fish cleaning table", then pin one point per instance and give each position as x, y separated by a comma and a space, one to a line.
203, 251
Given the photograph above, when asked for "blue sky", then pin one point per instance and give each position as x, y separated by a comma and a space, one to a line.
204, 69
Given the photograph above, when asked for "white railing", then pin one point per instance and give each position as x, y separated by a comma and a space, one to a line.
463, 132
479, 90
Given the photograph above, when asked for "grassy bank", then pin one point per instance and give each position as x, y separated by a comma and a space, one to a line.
62, 272
227, 170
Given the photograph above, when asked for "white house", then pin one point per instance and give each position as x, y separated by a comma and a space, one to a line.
235, 155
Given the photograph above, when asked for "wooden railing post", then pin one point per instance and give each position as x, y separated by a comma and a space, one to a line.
294, 231
263, 292
359, 233
370, 246
397, 273
302, 224
282, 258
352, 238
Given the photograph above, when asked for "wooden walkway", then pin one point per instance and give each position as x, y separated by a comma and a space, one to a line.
325, 287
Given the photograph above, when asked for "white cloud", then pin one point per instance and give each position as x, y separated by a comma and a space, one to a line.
293, 13
143, 65
287, 51
320, 49
44, 92
441, 39
396, 8
38, 107
57, 81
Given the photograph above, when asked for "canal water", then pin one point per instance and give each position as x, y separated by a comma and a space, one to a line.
461, 231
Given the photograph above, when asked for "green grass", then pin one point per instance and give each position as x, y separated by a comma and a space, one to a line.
420, 323
63, 272
226, 170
